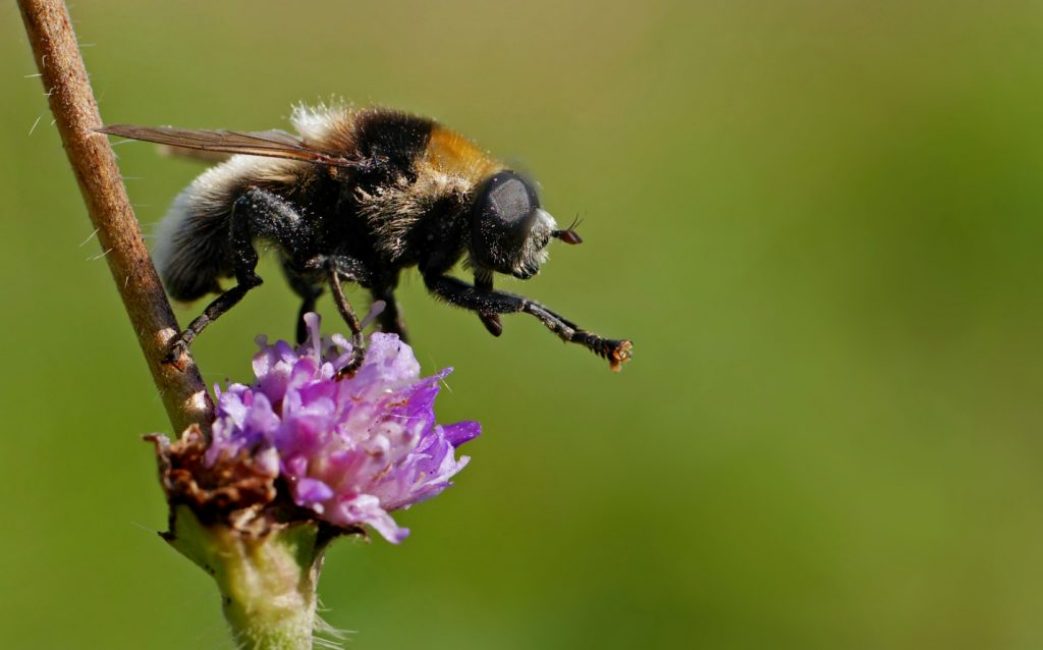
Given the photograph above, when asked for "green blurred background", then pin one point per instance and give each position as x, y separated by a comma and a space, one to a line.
819, 221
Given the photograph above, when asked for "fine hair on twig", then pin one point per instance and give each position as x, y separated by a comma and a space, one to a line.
76, 115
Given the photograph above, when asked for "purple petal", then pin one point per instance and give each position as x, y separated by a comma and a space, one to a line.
310, 490
365, 509
461, 432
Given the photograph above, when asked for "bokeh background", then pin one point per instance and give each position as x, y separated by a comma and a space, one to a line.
819, 221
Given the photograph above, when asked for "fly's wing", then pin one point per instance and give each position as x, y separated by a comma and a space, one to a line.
273, 144
197, 155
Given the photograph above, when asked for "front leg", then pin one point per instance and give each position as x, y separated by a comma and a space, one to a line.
483, 281
492, 302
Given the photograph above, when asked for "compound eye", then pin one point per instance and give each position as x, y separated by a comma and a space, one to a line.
506, 209
509, 200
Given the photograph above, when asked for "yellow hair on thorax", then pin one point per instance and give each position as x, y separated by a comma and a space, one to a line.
449, 153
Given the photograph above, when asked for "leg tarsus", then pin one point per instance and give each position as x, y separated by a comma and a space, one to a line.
179, 346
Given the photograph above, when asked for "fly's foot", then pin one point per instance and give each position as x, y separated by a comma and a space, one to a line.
492, 323
617, 352
358, 353
178, 350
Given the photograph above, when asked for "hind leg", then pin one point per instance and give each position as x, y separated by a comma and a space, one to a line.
256, 213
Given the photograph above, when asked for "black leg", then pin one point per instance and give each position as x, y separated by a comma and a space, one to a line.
255, 213
303, 284
390, 320
244, 261
483, 281
464, 295
348, 314
307, 305
213, 311
309, 292
349, 268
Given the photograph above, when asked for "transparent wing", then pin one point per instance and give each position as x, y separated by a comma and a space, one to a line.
274, 143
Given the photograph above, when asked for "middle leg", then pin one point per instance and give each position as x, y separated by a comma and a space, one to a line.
390, 319
309, 292
351, 319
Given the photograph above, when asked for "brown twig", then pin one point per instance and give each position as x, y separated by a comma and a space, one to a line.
76, 115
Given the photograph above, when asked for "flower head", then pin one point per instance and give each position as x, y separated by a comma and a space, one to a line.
350, 450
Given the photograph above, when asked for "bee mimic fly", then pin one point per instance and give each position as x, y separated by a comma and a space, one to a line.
358, 195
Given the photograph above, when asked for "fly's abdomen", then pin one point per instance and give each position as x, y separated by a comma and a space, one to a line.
191, 249
193, 242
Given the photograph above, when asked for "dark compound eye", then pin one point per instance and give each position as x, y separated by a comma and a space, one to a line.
508, 199
504, 211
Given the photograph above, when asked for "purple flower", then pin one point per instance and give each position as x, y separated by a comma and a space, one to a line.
351, 450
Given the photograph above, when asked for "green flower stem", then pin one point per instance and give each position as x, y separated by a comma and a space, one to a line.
267, 583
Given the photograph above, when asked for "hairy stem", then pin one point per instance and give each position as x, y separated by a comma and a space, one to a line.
76, 114
267, 582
